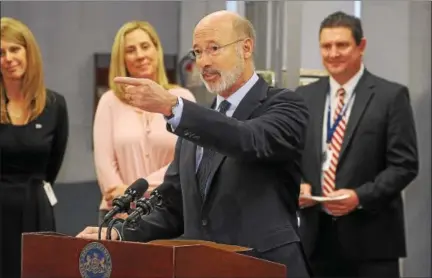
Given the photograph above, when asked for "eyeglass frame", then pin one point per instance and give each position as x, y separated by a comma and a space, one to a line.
215, 52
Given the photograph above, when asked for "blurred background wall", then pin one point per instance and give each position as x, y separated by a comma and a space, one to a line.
70, 33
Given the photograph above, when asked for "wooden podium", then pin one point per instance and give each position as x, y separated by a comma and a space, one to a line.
50, 255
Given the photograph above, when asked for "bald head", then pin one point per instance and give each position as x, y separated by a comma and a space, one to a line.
223, 44
220, 15
234, 24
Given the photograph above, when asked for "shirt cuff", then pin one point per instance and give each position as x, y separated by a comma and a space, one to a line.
177, 113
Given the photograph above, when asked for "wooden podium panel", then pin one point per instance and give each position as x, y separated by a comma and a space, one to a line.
48, 256
199, 262
51, 255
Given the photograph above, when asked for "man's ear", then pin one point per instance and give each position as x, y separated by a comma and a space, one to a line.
362, 46
248, 48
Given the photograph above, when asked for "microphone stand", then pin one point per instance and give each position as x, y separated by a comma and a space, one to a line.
100, 229
122, 203
144, 206
110, 227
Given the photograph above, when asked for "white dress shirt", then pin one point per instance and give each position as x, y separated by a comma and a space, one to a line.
349, 91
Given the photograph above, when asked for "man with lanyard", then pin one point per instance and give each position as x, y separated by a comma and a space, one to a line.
360, 153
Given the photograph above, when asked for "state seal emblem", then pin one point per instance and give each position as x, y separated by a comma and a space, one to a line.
95, 261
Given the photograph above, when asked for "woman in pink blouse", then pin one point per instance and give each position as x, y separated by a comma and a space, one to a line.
130, 143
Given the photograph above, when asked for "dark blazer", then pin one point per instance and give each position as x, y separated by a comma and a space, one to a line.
255, 178
29, 155
378, 160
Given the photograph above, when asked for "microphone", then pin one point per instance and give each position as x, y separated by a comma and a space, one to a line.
145, 206
122, 203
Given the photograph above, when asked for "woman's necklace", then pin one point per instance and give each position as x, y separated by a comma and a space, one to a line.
16, 116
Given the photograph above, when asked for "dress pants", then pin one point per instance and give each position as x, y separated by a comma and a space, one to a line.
329, 260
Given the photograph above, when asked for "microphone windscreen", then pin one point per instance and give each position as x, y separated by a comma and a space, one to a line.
138, 187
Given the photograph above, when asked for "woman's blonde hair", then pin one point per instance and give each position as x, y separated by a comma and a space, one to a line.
117, 65
33, 84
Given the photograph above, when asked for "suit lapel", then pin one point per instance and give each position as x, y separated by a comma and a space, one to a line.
318, 106
247, 105
190, 165
364, 92
251, 100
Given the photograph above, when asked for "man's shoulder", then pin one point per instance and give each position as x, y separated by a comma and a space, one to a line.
276, 91
313, 87
283, 99
388, 90
382, 83
277, 94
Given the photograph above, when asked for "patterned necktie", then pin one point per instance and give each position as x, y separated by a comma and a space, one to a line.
207, 157
329, 183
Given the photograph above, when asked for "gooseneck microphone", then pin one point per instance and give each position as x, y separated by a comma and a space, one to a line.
163, 195
145, 206
122, 203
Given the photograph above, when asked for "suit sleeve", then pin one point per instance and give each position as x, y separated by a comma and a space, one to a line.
401, 156
165, 222
60, 139
276, 135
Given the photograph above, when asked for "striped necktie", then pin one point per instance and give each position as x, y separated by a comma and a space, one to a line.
207, 157
329, 183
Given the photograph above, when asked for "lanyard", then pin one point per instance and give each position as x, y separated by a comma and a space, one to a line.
332, 128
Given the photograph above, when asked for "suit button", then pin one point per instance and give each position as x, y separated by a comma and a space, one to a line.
204, 222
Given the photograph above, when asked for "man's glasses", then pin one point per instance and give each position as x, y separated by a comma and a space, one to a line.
211, 50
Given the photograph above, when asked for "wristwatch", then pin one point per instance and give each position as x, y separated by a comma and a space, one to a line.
172, 110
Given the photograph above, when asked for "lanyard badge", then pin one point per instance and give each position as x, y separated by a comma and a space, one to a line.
332, 128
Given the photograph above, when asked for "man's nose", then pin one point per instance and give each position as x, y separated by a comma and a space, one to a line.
333, 52
203, 60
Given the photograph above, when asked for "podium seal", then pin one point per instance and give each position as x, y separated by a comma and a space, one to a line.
95, 261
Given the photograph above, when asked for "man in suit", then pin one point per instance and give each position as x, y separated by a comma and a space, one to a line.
236, 170
361, 143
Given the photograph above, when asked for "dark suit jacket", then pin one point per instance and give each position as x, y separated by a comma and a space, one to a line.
378, 160
255, 179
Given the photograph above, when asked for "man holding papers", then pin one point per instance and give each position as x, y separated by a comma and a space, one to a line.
360, 153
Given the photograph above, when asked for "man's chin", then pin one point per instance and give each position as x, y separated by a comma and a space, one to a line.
336, 70
212, 89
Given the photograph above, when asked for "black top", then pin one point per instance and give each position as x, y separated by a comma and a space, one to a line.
35, 150
29, 155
